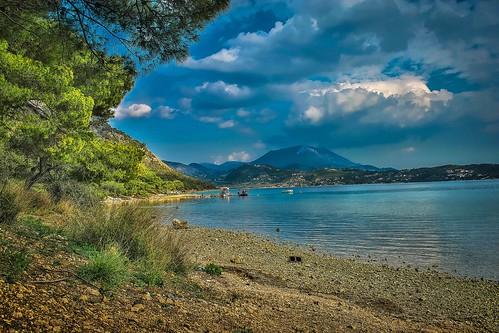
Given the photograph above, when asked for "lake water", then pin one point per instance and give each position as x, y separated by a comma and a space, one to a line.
453, 225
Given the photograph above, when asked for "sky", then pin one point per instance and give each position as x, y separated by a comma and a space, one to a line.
399, 83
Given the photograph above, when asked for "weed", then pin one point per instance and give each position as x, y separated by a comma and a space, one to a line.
37, 226
136, 231
13, 262
9, 208
147, 274
108, 267
213, 269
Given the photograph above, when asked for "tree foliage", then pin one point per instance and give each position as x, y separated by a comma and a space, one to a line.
151, 30
55, 75
106, 81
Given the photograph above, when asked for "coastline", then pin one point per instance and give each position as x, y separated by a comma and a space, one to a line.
426, 297
153, 199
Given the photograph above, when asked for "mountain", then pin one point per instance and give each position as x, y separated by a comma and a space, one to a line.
224, 167
308, 158
206, 171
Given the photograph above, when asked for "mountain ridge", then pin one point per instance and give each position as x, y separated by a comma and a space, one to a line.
299, 157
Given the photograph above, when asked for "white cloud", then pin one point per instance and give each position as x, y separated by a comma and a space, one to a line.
227, 124
239, 156
409, 149
242, 113
223, 89
166, 112
402, 101
210, 120
186, 103
132, 111
259, 145
224, 56
313, 114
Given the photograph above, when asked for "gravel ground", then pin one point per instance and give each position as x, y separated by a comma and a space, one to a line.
407, 293
259, 291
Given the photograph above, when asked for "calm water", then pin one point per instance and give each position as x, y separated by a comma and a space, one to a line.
454, 225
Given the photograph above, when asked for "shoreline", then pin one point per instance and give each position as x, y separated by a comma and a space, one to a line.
153, 199
408, 293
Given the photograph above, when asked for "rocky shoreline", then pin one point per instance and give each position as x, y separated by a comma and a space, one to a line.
405, 293
259, 290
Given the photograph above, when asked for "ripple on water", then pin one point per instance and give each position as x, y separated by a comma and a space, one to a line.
454, 224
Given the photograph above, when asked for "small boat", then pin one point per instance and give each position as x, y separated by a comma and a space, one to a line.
224, 192
242, 193
288, 191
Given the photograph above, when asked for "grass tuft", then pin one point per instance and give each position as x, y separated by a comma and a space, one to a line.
213, 269
9, 207
13, 261
108, 267
139, 235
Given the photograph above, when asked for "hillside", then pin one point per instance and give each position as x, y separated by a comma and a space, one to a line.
105, 131
206, 171
264, 175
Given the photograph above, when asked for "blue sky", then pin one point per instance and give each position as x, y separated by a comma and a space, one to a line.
399, 83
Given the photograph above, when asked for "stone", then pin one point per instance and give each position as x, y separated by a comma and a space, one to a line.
138, 307
179, 224
93, 292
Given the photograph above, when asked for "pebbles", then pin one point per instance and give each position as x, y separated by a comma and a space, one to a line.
412, 292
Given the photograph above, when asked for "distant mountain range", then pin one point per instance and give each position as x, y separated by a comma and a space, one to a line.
292, 158
307, 165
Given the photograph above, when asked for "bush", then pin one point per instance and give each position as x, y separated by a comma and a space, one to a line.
32, 200
137, 232
9, 207
36, 225
81, 194
113, 188
13, 262
149, 274
109, 267
213, 269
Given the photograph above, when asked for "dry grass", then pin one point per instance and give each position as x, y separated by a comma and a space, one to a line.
137, 231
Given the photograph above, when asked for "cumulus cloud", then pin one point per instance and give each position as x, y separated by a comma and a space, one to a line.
132, 111
166, 112
242, 113
220, 88
227, 124
404, 101
241, 156
210, 120
345, 73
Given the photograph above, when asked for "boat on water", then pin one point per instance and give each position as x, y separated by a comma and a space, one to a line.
224, 192
288, 191
242, 193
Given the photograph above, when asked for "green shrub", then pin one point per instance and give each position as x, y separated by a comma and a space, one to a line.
113, 188
83, 195
9, 207
137, 232
108, 267
13, 262
213, 269
36, 225
147, 273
